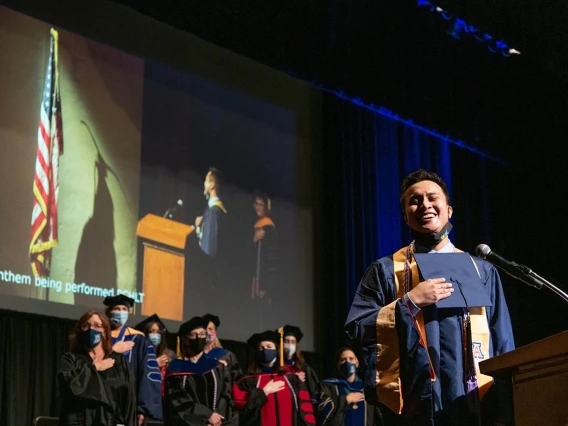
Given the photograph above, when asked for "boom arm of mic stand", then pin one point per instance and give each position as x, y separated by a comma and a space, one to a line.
549, 285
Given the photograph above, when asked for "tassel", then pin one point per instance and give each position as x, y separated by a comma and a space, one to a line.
281, 331
268, 204
178, 351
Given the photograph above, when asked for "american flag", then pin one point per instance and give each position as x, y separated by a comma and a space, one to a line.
46, 182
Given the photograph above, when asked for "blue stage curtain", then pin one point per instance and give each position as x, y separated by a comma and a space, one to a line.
365, 156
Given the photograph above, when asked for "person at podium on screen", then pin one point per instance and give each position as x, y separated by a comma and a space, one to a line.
141, 356
419, 361
95, 383
208, 226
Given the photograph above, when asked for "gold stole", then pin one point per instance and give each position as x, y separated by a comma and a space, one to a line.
220, 205
388, 367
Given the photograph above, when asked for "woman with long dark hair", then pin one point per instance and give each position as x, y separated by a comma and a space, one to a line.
269, 395
294, 359
96, 384
155, 331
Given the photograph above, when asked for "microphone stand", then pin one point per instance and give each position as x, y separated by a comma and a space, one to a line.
529, 272
549, 285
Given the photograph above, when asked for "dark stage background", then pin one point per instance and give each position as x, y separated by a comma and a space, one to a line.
398, 56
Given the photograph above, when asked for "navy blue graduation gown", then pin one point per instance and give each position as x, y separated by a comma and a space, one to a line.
147, 374
425, 402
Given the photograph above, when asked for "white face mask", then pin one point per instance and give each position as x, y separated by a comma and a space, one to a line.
289, 349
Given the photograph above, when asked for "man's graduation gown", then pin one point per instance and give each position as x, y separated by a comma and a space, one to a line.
194, 391
425, 385
291, 406
211, 228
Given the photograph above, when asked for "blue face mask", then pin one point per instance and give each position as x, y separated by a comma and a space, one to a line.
90, 338
347, 369
267, 356
119, 317
155, 338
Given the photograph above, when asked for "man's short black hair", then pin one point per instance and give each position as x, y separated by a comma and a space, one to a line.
419, 176
217, 176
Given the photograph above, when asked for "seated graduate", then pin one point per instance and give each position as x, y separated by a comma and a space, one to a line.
96, 384
141, 356
269, 395
197, 390
294, 360
341, 401
155, 331
214, 349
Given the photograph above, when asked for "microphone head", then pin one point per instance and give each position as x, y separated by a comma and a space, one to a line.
482, 251
180, 202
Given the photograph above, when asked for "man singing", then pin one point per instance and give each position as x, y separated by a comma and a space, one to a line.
207, 226
419, 360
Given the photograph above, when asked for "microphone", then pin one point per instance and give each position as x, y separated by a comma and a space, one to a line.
171, 211
519, 272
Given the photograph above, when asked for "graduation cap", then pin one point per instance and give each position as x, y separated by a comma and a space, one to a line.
154, 318
290, 330
192, 324
121, 299
212, 318
268, 335
459, 269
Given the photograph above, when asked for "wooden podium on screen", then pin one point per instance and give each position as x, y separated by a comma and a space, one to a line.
539, 375
164, 265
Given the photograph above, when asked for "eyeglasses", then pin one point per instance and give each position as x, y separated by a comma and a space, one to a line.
257, 204
196, 335
94, 326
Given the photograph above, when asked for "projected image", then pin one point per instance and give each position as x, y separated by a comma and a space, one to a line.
232, 161
177, 188
70, 144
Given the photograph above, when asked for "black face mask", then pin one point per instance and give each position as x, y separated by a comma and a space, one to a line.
90, 338
197, 345
432, 240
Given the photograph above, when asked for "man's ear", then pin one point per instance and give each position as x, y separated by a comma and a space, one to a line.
450, 212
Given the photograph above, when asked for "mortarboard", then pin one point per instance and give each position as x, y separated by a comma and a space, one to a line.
121, 299
154, 318
290, 330
213, 318
192, 324
459, 269
268, 335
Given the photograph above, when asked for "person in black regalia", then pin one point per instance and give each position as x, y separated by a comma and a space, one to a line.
294, 360
197, 390
96, 384
214, 349
269, 395
265, 240
341, 401
141, 356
